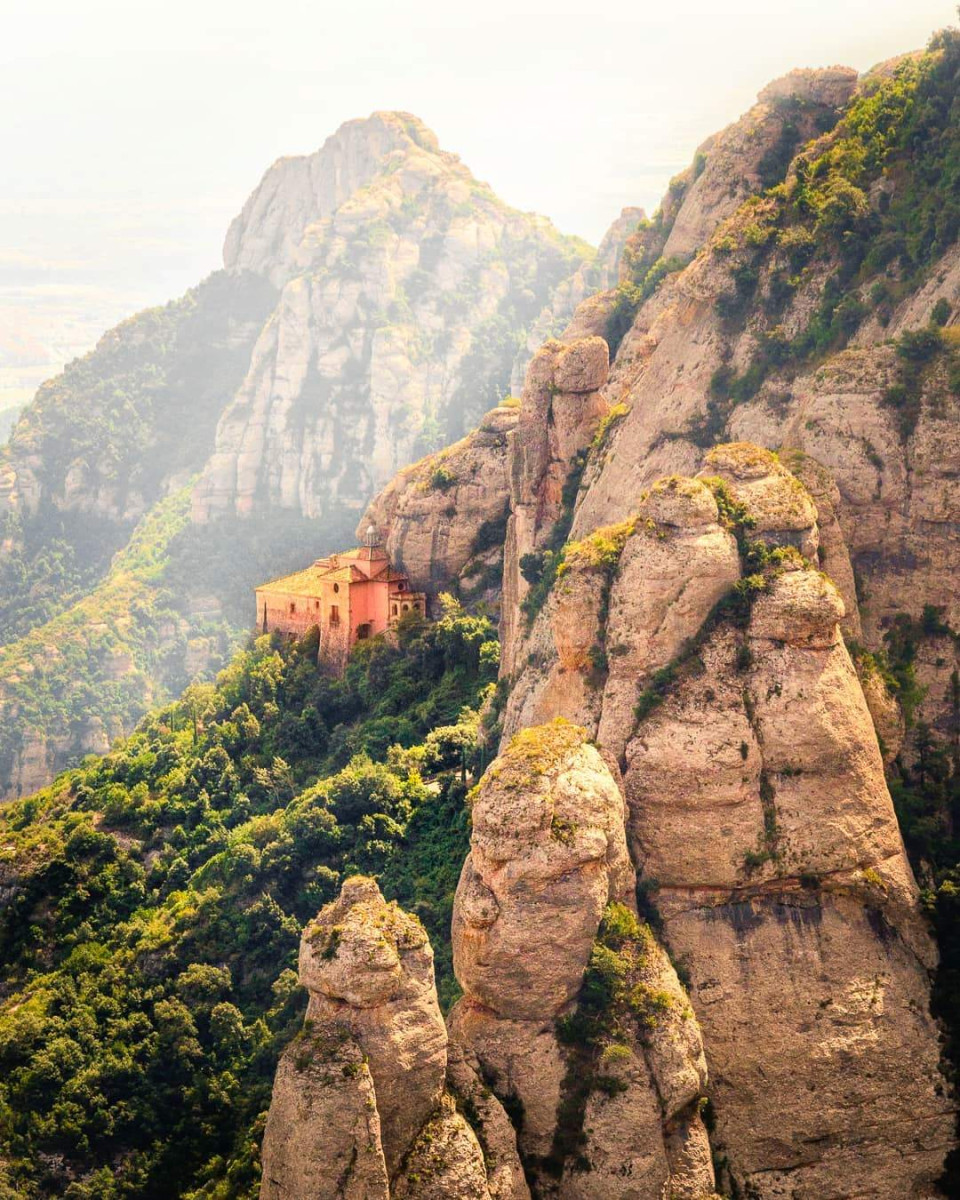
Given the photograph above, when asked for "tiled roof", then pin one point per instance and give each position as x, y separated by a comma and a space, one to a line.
307, 581
301, 583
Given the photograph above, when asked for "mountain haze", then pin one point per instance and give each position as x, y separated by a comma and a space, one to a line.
373, 301
634, 872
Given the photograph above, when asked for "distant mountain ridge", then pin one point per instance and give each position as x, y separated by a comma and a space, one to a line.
373, 303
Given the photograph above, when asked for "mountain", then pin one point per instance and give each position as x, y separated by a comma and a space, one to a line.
676, 854
405, 290
373, 303
728, 528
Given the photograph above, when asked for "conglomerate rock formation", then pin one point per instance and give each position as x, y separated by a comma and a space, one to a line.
360, 1104
759, 817
547, 876
701, 511
403, 283
446, 515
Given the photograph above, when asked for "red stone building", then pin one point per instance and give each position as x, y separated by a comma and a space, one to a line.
349, 597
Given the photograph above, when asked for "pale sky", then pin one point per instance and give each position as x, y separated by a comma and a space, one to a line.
133, 130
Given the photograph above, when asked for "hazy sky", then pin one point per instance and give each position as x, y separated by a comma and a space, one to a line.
133, 130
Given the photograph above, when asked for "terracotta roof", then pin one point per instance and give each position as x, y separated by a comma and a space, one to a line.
301, 583
307, 581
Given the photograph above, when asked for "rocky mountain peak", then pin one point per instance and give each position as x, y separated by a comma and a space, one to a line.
298, 191
404, 284
831, 86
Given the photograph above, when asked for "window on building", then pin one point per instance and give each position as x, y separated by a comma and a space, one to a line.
334, 614
406, 608
363, 632
293, 608
316, 604
336, 587
396, 610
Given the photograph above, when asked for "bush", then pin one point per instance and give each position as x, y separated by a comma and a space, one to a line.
920, 345
442, 479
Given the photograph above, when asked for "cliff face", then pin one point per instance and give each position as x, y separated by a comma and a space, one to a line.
662, 589
592, 1039
720, 351
571, 1007
361, 1105
133, 419
445, 517
759, 817
404, 283
751, 154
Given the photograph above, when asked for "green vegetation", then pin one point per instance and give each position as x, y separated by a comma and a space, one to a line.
600, 551
55, 557
129, 643
491, 533
146, 401
442, 478
157, 896
774, 164
616, 1009
540, 568
917, 351
925, 785
142, 406
898, 142
630, 295
608, 423
533, 753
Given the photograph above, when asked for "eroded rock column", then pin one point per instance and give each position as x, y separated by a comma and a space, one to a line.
604, 1093
360, 1106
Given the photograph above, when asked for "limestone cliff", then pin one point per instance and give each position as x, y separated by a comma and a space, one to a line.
702, 650
361, 1106
445, 517
404, 283
571, 1007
